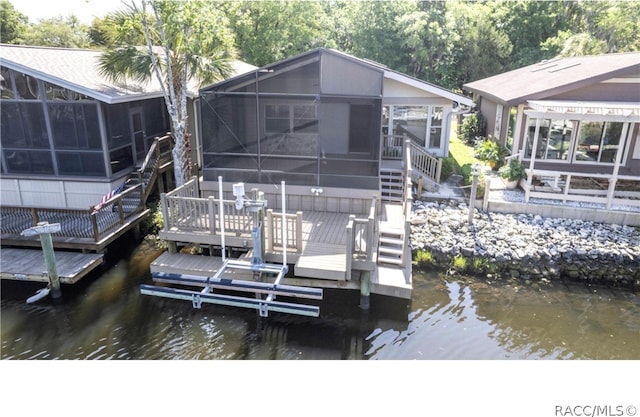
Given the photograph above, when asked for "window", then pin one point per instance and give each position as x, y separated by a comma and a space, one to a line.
288, 118
23, 125
435, 128
75, 126
421, 124
598, 141
554, 139
81, 163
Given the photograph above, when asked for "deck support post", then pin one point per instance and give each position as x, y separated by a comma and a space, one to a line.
50, 262
44, 230
365, 290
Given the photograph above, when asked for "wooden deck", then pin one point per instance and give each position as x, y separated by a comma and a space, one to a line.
28, 265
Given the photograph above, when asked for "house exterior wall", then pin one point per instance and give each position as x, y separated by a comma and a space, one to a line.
52, 193
399, 94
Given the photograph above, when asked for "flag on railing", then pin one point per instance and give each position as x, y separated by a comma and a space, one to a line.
108, 196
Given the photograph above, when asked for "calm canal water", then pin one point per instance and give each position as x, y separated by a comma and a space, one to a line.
105, 317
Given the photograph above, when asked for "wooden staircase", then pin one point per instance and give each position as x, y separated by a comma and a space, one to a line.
391, 240
392, 182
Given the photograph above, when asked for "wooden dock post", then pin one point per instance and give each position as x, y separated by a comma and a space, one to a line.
365, 290
44, 229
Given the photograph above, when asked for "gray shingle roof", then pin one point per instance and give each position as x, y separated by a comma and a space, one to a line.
554, 76
77, 69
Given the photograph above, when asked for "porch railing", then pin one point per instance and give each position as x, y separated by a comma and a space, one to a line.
422, 162
556, 185
392, 146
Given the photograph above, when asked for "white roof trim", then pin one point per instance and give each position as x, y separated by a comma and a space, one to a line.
428, 88
592, 110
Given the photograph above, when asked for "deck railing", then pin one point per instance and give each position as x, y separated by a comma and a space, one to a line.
159, 151
275, 233
556, 185
361, 237
84, 224
183, 210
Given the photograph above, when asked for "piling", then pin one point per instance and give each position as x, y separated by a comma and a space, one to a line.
50, 263
365, 290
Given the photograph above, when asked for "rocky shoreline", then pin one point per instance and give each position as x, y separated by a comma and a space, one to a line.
523, 246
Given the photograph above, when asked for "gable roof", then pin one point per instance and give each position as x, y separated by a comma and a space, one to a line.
554, 76
387, 73
77, 70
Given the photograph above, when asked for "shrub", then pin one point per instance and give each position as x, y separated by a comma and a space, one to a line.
473, 126
490, 151
448, 167
460, 263
513, 171
424, 257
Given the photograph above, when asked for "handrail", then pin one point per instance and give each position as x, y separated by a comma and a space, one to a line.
75, 223
427, 164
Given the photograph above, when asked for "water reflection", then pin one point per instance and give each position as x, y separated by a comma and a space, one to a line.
105, 317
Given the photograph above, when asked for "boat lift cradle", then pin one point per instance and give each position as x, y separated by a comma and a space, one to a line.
223, 278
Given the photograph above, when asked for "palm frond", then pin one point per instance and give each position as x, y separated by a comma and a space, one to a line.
126, 62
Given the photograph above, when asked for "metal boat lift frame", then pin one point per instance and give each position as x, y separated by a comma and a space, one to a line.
257, 266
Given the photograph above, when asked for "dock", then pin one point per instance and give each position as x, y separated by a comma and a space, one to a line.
28, 265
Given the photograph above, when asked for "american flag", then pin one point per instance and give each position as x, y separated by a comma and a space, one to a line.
107, 196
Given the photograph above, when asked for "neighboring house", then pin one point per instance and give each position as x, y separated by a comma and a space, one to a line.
321, 119
574, 123
69, 135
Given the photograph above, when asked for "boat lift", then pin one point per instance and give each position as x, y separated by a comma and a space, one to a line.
265, 292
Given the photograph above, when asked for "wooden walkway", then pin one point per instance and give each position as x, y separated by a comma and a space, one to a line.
28, 265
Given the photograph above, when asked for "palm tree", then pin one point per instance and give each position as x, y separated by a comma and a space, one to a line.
185, 40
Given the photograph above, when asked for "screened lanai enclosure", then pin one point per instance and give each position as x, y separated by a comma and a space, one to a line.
313, 120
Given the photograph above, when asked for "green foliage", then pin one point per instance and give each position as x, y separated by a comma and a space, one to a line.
12, 23
460, 263
448, 167
66, 32
424, 257
473, 127
490, 151
512, 171
154, 221
447, 43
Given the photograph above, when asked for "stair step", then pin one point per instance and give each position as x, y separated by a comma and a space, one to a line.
390, 251
389, 260
387, 240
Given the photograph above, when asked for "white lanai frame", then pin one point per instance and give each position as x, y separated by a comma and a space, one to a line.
624, 112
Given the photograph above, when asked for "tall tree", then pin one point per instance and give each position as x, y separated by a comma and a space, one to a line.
184, 40
61, 31
269, 31
12, 23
